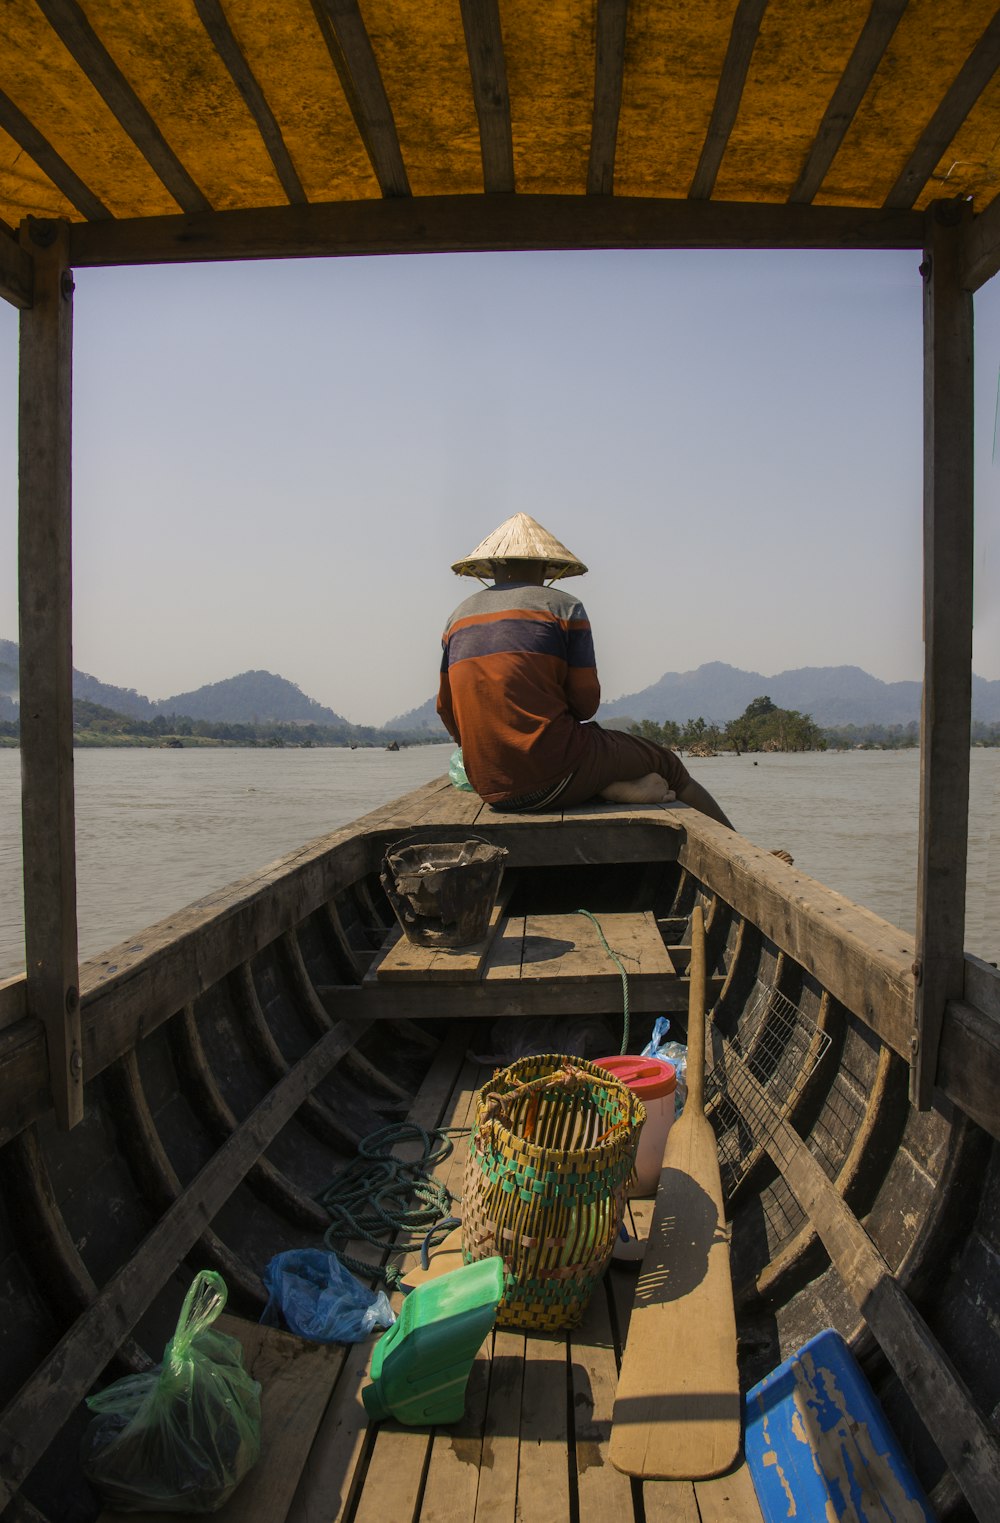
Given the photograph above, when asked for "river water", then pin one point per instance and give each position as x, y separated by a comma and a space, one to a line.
157, 829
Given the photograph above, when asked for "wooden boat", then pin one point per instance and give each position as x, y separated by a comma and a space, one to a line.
237, 1053
178, 1102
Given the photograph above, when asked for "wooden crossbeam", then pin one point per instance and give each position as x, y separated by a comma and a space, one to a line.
37, 147
346, 36
78, 36
876, 34
440, 224
501, 999
487, 65
742, 41
213, 19
975, 75
609, 71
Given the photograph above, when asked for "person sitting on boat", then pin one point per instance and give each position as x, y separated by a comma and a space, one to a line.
519, 689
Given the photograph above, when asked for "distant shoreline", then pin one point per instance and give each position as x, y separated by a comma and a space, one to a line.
85, 742
206, 743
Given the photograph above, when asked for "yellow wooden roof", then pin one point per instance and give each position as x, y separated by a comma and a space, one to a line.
491, 122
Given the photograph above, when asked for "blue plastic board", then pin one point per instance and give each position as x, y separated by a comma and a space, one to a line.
819, 1447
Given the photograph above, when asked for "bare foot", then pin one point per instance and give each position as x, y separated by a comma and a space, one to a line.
783, 856
651, 789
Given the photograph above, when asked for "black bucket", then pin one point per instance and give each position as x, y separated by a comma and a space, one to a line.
442, 892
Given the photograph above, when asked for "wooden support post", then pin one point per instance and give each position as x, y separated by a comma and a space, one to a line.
945, 728
45, 598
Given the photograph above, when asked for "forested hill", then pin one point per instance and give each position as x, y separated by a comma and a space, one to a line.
831, 695
717, 692
423, 720
250, 698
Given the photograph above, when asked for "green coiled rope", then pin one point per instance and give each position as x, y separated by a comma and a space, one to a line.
387, 1201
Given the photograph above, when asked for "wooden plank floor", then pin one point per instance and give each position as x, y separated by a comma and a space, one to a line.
532, 1445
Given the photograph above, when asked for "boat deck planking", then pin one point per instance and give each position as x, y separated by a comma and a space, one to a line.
532, 1445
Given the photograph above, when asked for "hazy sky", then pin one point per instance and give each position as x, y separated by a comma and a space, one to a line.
275, 464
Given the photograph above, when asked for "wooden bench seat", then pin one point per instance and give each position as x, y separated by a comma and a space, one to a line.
529, 947
539, 965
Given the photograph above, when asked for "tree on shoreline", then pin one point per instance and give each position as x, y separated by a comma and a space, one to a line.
761, 727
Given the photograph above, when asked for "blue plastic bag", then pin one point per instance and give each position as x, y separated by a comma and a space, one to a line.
456, 772
311, 1294
669, 1052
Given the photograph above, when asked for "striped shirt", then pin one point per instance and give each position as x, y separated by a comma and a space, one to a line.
518, 674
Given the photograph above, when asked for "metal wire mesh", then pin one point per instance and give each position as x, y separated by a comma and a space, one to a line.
757, 1076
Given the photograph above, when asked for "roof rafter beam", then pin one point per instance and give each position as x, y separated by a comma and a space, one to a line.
436, 224
345, 35
76, 33
609, 71
742, 41
969, 83
24, 132
213, 19
484, 45
876, 34
17, 273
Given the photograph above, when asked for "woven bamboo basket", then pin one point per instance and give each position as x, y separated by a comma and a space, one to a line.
551, 1152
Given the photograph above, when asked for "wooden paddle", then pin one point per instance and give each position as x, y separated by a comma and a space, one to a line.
677, 1413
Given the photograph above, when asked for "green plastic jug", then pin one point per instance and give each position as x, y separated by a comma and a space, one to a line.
421, 1366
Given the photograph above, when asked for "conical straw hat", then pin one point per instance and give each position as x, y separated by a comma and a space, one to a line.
520, 539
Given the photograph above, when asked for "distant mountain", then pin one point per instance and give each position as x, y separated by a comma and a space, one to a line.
124, 700
423, 719
832, 695
251, 698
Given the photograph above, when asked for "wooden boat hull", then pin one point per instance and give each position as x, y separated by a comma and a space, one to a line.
236, 1053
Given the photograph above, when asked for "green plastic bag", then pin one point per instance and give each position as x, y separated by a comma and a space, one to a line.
179, 1438
456, 771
